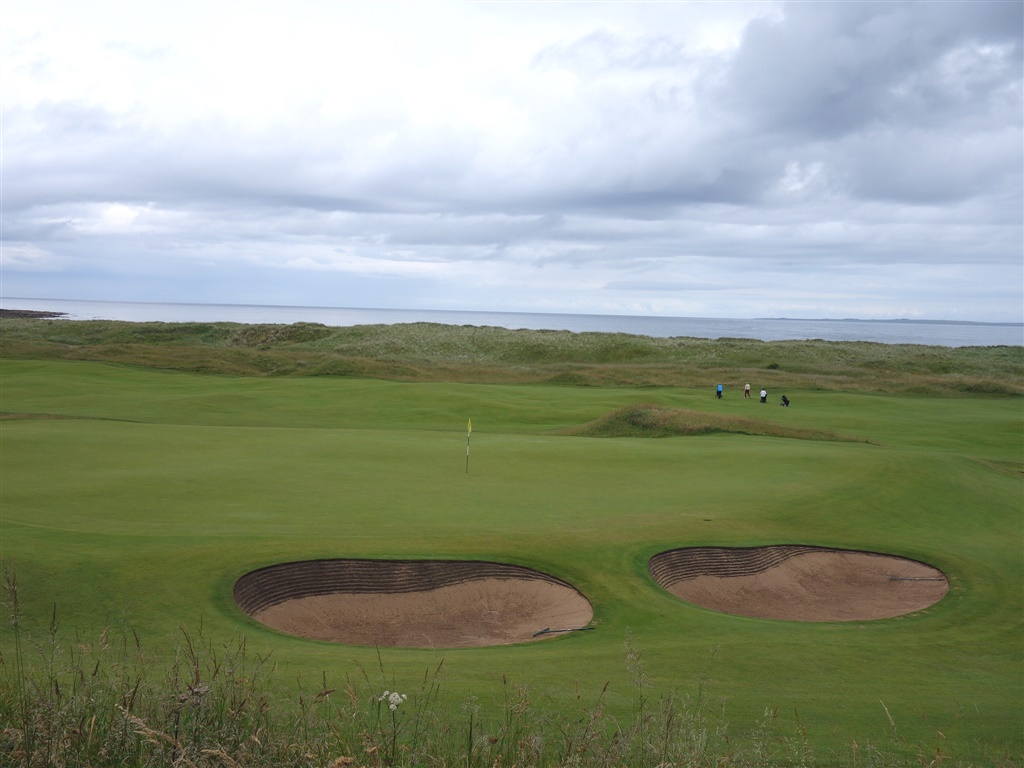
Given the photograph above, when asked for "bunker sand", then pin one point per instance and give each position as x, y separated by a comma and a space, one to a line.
481, 612
411, 604
448, 604
799, 583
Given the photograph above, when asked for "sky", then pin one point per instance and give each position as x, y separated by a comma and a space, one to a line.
692, 159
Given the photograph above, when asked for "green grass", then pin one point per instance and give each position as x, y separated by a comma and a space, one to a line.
132, 498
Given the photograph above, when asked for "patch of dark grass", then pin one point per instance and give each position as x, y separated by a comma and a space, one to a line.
267, 336
986, 387
5, 415
570, 379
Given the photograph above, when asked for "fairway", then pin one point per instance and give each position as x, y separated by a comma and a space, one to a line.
136, 499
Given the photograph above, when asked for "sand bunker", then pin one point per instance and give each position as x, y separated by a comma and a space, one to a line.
411, 603
799, 583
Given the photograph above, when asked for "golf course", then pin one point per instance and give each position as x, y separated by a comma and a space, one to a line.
155, 478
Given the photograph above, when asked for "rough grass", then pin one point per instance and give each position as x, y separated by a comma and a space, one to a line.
434, 352
107, 700
648, 420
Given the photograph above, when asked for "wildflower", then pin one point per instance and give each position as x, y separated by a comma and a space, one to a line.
393, 699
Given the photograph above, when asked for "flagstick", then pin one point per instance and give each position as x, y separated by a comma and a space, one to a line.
469, 431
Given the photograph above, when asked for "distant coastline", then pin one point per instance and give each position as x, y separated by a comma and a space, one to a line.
48, 315
55, 314
930, 332
891, 320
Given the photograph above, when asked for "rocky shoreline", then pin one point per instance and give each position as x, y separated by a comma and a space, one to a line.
31, 313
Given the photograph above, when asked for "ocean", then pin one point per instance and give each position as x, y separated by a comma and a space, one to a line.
927, 332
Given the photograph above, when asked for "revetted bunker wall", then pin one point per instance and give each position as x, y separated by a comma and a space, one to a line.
263, 588
675, 565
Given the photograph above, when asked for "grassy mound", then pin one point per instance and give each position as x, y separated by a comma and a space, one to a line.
649, 420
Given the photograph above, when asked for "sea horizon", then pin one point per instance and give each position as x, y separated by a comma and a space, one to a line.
926, 331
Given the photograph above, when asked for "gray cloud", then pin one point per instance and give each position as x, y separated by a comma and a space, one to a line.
638, 157
835, 68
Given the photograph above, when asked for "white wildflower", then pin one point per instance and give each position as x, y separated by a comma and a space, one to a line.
393, 699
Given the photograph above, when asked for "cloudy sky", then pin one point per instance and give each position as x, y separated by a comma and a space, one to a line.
717, 159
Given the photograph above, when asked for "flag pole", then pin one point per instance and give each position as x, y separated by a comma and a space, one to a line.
469, 431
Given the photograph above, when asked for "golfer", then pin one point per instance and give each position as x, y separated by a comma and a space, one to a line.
764, 395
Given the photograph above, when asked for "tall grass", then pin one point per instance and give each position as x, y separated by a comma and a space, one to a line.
105, 701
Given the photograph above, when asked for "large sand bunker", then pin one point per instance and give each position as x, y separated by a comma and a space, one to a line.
799, 583
411, 603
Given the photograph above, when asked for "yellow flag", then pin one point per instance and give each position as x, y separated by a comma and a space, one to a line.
469, 426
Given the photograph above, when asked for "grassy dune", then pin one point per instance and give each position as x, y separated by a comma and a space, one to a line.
445, 353
145, 467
